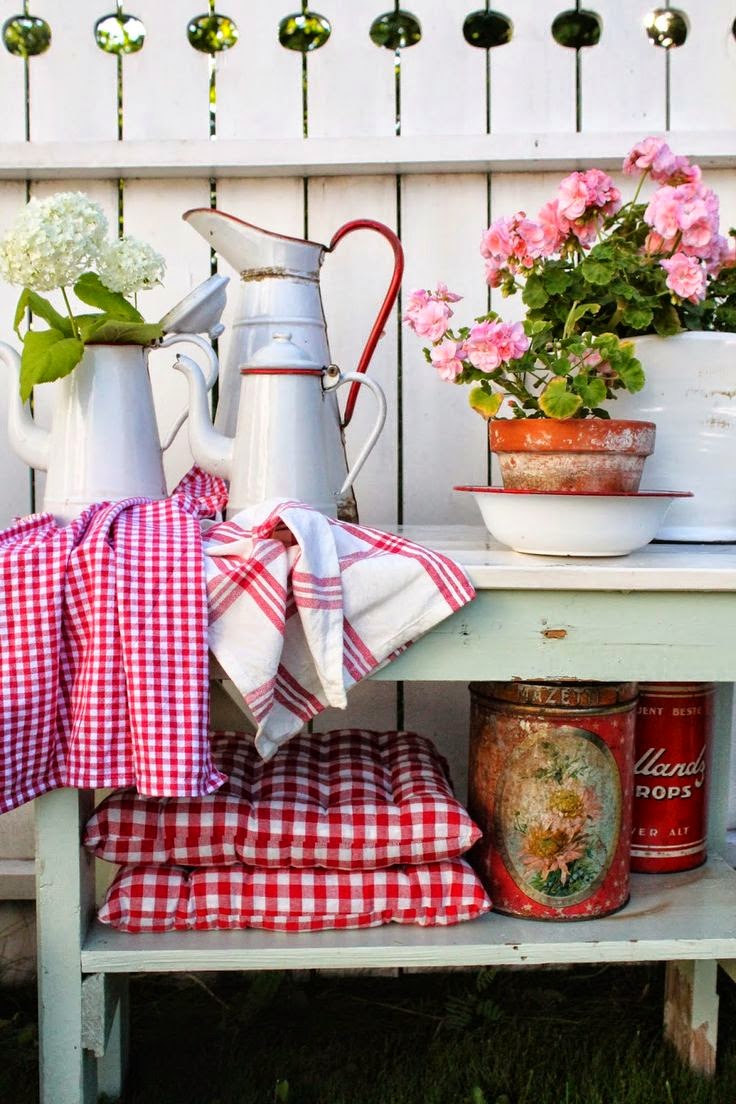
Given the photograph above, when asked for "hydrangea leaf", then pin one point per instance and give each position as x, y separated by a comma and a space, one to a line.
557, 402
112, 331
485, 403
47, 356
40, 308
90, 289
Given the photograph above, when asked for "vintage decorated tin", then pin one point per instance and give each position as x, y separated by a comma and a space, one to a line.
673, 732
550, 784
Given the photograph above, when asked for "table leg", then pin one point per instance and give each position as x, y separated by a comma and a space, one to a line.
691, 1012
64, 907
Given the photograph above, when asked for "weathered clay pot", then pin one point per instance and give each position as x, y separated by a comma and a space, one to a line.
599, 455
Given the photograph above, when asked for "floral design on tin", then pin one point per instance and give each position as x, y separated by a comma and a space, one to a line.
558, 815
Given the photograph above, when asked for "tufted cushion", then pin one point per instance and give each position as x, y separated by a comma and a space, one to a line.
349, 799
157, 898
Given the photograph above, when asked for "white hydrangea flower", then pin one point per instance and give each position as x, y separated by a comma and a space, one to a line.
53, 241
129, 265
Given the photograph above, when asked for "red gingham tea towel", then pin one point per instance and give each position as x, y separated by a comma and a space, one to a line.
103, 649
302, 607
172, 898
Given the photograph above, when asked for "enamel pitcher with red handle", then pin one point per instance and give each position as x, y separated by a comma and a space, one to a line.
280, 293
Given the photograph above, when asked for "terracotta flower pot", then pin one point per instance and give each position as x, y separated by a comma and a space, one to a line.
599, 455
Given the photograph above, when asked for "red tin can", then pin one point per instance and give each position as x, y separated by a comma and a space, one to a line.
550, 785
674, 722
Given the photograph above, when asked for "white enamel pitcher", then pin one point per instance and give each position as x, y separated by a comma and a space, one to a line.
103, 444
280, 293
287, 441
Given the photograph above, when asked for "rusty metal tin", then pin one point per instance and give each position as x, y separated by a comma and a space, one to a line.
550, 785
674, 723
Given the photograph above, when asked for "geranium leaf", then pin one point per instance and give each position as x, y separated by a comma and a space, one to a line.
557, 402
485, 403
591, 391
631, 374
596, 272
534, 294
47, 356
638, 317
90, 289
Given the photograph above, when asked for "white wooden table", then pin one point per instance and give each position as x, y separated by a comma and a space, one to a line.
666, 613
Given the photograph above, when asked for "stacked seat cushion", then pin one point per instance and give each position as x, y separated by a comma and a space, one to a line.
159, 898
347, 800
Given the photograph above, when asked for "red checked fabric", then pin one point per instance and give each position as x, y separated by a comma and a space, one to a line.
347, 799
103, 649
170, 898
302, 606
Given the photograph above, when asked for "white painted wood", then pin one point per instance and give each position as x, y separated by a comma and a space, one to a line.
12, 83
530, 152
441, 711
354, 282
706, 63
532, 79
62, 107
17, 880
370, 705
64, 905
166, 84
153, 213
15, 477
625, 61
258, 82
341, 72
687, 916
444, 443
443, 79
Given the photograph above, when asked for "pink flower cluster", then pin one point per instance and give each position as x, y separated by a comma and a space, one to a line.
654, 156
488, 345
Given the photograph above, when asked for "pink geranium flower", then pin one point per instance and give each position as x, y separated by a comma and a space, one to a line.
430, 320
491, 344
685, 276
447, 358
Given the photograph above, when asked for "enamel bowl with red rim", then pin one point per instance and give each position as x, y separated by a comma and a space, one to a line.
570, 523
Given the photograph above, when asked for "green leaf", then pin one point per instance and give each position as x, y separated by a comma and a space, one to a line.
485, 403
592, 391
596, 272
47, 356
557, 402
638, 317
578, 311
91, 290
40, 308
113, 332
555, 279
534, 294
631, 374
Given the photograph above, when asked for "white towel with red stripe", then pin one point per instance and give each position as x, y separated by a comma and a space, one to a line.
301, 607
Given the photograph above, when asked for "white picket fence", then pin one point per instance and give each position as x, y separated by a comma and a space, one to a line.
433, 141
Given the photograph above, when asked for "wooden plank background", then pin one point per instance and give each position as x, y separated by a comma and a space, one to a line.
441, 91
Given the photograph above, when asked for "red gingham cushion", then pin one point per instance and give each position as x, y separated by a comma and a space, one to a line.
169, 898
349, 799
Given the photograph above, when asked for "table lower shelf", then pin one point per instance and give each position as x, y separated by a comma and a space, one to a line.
691, 915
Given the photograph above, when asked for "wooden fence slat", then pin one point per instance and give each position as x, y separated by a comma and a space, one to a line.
442, 220
443, 79
259, 83
340, 73
73, 85
354, 281
153, 213
12, 83
532, 78
625, 61
703, 71
15, 482
166, 84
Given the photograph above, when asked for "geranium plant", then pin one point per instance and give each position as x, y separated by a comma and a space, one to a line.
61, 243
592, 272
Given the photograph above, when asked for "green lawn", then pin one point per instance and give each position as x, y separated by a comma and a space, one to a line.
587, 1035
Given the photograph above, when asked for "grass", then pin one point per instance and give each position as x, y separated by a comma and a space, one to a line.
587, 1035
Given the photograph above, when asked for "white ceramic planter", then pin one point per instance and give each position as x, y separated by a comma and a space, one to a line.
690, 393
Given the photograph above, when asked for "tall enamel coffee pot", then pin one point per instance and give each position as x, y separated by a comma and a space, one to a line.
280, 294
